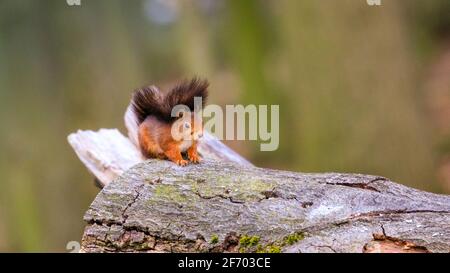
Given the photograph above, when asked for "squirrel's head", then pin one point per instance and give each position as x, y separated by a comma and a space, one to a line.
188, 127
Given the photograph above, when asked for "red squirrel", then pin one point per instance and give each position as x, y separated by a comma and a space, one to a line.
153, 110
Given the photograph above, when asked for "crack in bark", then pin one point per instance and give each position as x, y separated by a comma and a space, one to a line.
383, 230
270, 194
383, 243
325, 246
389, 212
364, 186
376, 179
229, 198
135, 198
125, 244
104, 222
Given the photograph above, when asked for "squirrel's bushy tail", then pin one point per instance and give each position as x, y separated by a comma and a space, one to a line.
149, 101
145, 102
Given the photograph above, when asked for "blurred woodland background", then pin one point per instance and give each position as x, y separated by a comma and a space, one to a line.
360, 88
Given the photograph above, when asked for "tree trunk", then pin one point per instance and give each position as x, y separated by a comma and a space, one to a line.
222, 207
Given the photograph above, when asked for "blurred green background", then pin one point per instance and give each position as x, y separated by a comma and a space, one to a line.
360, 88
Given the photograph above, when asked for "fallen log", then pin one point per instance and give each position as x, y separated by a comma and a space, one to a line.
225, 204
157, 206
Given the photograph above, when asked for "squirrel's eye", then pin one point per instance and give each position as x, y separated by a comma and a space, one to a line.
187, 125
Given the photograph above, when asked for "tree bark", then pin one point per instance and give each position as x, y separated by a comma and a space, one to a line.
222, 207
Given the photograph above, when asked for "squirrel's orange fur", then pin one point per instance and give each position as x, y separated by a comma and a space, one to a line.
156, 124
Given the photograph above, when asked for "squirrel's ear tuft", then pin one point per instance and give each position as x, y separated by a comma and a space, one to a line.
185, 92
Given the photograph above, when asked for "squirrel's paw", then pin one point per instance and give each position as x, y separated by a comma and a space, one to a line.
194, 158
181, 162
